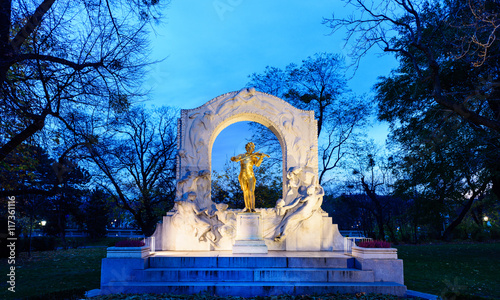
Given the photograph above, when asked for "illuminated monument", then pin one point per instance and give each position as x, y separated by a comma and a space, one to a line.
307, 226
293, 248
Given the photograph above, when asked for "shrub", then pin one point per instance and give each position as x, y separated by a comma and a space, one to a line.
43, 243
374, 244
129, 243
480, 235
73, 243
495, 232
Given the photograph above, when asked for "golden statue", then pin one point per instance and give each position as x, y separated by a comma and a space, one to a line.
247, 177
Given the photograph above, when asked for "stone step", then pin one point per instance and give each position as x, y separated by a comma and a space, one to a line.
251, 289
254, 274
250, 262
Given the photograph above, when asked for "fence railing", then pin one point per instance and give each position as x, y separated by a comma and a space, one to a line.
113, 232
124, 232
350, 241
352, 233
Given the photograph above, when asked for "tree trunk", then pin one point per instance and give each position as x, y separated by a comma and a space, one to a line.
390, 228
5, 17
34, 127
476, 194
447, 232
495, 180
380, 224
379, 217
31, 231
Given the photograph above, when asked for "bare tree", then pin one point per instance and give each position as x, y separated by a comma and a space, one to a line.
135, 163
343, 132
319, 84
59, 57
414, 31
373, 177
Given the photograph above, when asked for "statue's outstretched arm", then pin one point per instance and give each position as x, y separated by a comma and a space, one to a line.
261, 154
293, 203
237, 158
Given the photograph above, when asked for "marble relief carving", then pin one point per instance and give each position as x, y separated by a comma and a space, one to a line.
213, 223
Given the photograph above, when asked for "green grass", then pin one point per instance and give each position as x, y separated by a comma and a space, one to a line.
54, 271
436, 269
471, 269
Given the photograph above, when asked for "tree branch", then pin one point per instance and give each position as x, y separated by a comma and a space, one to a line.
33, 22
37, 125
59, 60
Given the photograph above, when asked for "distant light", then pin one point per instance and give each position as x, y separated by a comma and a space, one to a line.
485, 218
43, 223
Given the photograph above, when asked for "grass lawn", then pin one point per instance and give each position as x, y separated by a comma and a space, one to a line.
467, 268
464, 268
52, 271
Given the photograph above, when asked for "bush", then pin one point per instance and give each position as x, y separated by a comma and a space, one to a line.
42, 243
374, 244
461, 233
130, 243
73, 243
495, 232
96, 213
38, 243
480, 235
45, 243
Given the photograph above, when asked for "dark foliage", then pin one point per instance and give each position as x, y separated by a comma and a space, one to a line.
130, 243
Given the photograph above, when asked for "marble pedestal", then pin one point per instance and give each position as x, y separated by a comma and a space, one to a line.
249, 238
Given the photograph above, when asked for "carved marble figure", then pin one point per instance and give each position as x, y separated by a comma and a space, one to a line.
299, 210
190, 215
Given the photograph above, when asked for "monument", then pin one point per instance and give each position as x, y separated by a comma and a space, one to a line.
292, 248
297, 223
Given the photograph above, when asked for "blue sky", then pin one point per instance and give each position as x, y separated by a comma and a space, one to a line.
210, 47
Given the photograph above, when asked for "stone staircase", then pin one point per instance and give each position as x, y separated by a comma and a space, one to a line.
249, 276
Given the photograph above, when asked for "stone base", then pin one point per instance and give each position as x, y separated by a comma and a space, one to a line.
249, 234
374, 253
315, 234
249, 226
249, 247
128, 252
275, 273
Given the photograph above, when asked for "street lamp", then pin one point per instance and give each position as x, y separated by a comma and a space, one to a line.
43, 223
485, 218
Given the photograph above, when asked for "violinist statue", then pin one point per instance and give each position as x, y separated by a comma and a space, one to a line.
247, 178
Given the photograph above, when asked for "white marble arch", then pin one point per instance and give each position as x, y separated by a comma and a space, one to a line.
198, 128
297, 223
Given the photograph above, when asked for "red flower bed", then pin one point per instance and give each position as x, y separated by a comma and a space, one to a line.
130, 243
374, 244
